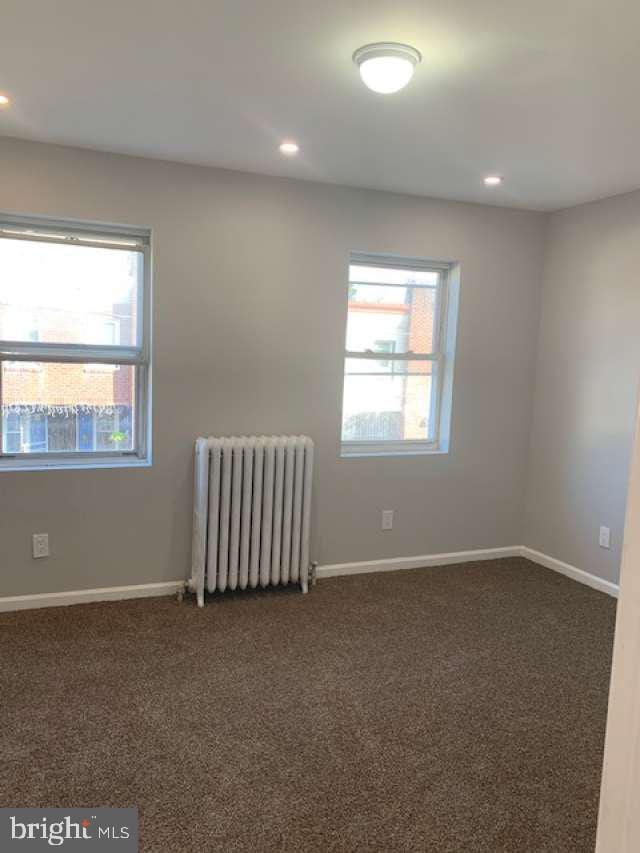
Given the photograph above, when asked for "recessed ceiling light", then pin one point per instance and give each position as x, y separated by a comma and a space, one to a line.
4, 101
386, 67
289, 148
493, 180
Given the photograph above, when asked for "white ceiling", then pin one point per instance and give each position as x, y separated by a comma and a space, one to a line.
544, 91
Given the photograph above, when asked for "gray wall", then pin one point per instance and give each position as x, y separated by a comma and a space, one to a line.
586, 384
249, 319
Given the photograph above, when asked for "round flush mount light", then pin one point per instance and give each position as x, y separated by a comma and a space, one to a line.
386, 67
493, 180
4, 101
289, 148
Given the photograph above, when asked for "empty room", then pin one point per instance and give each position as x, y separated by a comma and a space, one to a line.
319, 361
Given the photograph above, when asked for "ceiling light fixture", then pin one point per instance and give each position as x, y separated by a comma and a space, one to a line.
4, 101
289, 148
386, 67
493, 180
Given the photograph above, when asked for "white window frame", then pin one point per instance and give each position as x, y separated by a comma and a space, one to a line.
112, 356
439, 358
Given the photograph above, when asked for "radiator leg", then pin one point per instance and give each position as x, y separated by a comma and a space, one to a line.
310, 579
200, 598
314, 573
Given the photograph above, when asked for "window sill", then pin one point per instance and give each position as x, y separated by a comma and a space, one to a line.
15, 464
357, 449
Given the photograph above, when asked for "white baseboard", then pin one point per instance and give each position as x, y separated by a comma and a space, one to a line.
84, 596
570, 571
428, 560
424, 561
151, 590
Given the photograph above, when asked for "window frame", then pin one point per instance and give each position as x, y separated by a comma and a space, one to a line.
438, 356
125, 238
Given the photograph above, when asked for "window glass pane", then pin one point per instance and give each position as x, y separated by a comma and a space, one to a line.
86, 432
11, 432
61, 429
113, 427
72, 294
49, 407
36, 430
389, 404
391, 319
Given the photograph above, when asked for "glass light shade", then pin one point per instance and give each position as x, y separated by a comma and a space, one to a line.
386, 74
386, 67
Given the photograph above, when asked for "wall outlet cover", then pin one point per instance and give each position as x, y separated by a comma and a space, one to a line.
40, 545
387, 519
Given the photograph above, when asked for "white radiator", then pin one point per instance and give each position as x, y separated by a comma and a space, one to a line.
251, 513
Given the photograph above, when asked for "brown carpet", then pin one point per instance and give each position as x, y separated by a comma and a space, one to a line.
452, 709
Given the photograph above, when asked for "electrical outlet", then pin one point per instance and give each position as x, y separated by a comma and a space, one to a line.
40, 545
605, 537
387, 519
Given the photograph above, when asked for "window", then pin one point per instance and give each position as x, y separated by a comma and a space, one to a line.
74, 345
394, 404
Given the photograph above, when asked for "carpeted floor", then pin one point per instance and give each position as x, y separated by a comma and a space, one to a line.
453, 709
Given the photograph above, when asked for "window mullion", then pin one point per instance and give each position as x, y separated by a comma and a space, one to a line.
70, 353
